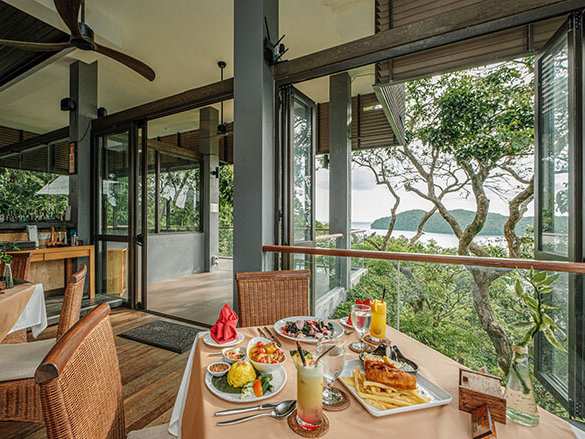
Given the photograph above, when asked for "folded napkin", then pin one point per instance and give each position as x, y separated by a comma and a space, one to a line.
224, 329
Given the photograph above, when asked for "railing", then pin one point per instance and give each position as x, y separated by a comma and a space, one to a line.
525, 264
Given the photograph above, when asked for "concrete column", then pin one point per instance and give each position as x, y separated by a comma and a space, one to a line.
83, 84
209, 148
340, 168
253, 135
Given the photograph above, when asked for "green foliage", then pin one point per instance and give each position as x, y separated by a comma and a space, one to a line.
5, 257
475, 117
226, 210
537, 312
19, 201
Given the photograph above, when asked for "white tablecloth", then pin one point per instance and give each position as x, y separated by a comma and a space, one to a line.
34, 315
177, 415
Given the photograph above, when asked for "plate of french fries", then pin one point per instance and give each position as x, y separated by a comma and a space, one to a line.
385, 391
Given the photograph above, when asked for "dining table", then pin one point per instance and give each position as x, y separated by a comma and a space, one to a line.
195, 406
22, 307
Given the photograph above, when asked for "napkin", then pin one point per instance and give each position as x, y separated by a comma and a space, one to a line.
224, 329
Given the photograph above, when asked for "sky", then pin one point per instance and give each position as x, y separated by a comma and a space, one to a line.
370, 201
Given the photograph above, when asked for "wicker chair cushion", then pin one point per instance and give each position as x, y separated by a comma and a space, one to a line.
157, 432
19, 361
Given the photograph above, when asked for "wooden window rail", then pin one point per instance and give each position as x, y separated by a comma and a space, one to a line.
527, 264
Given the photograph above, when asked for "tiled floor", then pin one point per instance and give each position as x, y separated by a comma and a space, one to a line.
197, 297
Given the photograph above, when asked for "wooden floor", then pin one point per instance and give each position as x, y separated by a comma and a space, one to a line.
197, 297
151, 379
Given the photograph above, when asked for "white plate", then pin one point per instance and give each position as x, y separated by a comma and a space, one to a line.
337, 329
210, 342
278, 381
425, 387
343, 321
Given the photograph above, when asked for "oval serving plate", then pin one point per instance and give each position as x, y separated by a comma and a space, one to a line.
278, 326
210, 342
279, 378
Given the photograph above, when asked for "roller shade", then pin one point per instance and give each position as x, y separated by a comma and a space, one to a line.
369, 125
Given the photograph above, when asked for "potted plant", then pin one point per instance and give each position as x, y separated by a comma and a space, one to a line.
537, 312
7, 276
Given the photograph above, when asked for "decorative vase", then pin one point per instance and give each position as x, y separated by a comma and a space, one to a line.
520, 400
8, 280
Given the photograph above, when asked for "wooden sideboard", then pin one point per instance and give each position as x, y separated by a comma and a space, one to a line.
44, 254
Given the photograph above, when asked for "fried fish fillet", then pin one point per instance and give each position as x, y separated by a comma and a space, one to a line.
384, 373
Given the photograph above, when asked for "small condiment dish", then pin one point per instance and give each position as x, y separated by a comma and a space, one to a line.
219, 368
225, 352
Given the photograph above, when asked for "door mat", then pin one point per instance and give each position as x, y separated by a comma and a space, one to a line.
173, 337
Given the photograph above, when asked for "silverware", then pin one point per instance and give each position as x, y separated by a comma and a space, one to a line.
273, 336
282, 410
256, 408
262, 333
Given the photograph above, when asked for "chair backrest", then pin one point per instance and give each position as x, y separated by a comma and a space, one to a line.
71, 308
266, 297
80, 383
20, 266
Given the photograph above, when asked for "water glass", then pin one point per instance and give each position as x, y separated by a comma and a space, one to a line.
332, 362
361, 317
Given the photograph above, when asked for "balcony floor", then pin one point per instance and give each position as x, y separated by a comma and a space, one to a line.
197, 297
151, 379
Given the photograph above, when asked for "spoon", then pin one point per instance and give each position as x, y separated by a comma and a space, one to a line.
282, 410
257, 408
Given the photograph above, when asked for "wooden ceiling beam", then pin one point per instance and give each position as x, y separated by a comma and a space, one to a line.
187, 100
174, 150
467, 22
41, 139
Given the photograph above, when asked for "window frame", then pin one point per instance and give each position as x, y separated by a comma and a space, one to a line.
571, 395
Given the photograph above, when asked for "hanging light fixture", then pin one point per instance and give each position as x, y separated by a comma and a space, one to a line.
221, 128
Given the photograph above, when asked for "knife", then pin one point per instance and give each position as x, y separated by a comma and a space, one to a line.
255, 408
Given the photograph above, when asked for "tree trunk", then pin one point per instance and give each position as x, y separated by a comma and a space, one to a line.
517, 207
487, 318
423, 222
393, 217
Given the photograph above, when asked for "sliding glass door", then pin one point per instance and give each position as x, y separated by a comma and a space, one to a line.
120, 237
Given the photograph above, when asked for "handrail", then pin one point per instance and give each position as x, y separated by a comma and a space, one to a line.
559, 266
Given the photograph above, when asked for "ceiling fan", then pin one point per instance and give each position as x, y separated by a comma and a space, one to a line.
82, 37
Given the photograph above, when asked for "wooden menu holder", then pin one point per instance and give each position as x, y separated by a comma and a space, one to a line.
478, 389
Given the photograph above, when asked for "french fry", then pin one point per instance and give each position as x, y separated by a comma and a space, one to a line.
382, 396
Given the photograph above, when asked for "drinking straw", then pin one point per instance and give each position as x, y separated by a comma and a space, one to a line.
383, 294
301, 354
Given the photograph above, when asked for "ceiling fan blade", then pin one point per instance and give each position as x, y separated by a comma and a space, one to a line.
69, 12
132, 63
35, 47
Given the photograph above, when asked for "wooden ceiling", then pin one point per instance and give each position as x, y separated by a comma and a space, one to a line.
17, 25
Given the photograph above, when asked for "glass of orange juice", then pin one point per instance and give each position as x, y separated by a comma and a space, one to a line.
309, 396
378, 325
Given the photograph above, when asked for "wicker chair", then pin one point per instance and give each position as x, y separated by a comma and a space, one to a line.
19, 395
81, 385
266, 297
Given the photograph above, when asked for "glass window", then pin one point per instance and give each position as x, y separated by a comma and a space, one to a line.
115, 184
302, 171
180, 194
554, 144
32, 196
555, 363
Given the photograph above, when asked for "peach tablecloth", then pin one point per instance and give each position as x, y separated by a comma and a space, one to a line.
198, 407
13, 301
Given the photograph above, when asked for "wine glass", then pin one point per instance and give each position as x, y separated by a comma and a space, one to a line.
333, 362
361, 317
